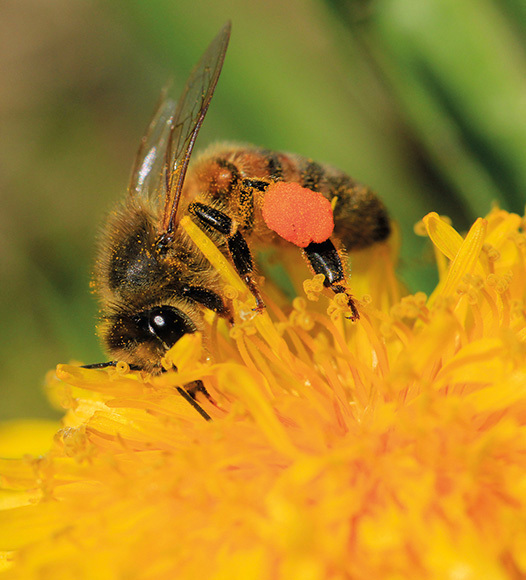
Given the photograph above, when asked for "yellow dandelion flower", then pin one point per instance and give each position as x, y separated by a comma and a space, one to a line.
394, 447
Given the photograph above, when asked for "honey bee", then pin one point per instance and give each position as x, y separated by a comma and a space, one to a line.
154, 285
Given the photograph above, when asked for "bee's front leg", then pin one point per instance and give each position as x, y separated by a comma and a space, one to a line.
212, 218
189, 393
324, 259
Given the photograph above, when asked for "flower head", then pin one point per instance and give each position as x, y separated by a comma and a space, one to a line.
394, 447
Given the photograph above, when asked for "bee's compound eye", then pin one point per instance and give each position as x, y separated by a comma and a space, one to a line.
166, 323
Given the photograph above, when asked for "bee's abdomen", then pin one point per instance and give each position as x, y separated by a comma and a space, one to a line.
360, 217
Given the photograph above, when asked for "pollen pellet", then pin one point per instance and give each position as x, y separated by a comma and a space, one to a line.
299, 215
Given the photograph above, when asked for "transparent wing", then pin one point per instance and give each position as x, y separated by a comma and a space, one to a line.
147, 173
187, 119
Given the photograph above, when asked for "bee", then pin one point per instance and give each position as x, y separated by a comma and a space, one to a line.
154, 285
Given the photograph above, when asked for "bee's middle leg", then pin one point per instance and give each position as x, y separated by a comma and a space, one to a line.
238, 248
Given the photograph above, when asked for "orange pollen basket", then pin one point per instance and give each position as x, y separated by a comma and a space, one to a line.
297, 214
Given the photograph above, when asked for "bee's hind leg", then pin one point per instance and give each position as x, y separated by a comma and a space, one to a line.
324, 259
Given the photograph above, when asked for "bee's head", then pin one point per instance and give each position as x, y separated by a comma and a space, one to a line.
144, 338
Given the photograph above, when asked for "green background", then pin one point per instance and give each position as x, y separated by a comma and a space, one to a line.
424, 100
